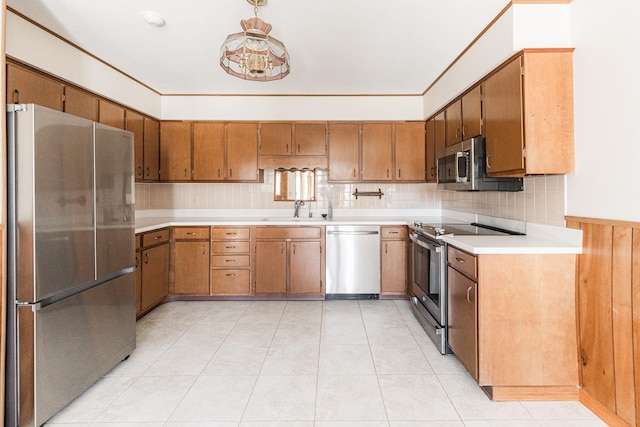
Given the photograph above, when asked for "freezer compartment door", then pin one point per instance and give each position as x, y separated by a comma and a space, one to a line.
65, 347
115, 229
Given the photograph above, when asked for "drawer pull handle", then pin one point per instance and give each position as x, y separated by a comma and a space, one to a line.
203, 250
393, 232
460, 260
229, 260
191, 233
157, 238
230, 275
229, 247
231, 234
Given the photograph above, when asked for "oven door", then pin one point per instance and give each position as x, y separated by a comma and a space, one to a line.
429, 276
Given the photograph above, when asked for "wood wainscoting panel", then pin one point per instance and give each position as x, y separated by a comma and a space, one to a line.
623, 323
594, 311
635, 277
608, 296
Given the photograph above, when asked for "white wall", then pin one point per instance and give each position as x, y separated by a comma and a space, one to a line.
607, 89
30, 44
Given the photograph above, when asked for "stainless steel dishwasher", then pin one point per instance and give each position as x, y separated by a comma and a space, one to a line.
353, 261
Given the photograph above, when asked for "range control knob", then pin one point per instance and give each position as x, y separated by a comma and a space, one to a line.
417, 224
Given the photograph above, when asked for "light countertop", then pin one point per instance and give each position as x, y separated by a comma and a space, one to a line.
539, 239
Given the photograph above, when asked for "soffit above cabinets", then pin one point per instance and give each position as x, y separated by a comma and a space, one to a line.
337, 47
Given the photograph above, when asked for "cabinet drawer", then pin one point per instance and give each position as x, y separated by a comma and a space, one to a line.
224, 233
155, 237
393, 233
138, 241
230, 261
191, 233
288, 232
230, 247
230, 282
463, 262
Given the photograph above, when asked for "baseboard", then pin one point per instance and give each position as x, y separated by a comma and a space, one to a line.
602, 411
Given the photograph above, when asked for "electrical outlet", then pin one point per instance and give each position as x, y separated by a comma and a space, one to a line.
194, 200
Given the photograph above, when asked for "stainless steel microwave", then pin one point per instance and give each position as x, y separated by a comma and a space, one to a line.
461, 167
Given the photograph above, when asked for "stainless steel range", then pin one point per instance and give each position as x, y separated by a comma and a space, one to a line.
429, 284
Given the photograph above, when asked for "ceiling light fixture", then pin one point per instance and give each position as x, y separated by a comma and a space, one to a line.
154, 19
253, 54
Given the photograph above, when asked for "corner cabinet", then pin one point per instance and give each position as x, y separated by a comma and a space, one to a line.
528, 115
289, 260
509, 315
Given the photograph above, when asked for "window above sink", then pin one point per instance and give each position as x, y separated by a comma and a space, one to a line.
294, 184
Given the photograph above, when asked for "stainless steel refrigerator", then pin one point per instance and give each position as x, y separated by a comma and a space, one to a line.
70, 258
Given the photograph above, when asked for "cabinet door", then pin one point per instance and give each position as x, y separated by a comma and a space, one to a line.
110, 114
439, 133
25, 86
305, 272
275, 139
471, 113
138, 282
393, 258
503, 120
151, 161
271, 267
135, 123
208, 151
192, 268
175, 151
377, 152
310, 139
453, 120
462, 317
242, 152
155, 275
410, 152
430, 142
80, 103
344, 143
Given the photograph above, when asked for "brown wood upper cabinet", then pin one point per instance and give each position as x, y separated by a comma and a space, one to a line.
293, 144
410, 152
151, 154
430, 142
275, 139
377, 152
528, 108
111, 114
211, 152
80, 103
134, 123
25, 86
464, 117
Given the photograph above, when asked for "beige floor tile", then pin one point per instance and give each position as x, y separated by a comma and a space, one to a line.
400, 359
405, 398
246, 359
297, 333
206, 333
391, 335
559, 411
282, 398
341, 311
302, 312
182, 360
346, 359
291, 359
148, 399
349, 398
343, 333
215, 398
251, 333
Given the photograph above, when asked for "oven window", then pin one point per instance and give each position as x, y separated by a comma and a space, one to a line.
426, 274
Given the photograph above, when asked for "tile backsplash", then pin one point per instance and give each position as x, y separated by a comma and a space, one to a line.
542, 200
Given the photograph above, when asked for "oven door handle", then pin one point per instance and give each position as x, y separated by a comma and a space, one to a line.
426, 245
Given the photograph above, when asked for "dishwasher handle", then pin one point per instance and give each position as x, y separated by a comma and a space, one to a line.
353, 233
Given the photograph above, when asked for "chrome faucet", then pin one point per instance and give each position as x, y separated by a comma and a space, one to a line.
296, 207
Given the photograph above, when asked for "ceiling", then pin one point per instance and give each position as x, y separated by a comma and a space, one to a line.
337, 47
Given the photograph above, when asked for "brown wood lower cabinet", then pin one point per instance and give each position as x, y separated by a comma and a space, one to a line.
289, 260
230, 261
393, 259
154, 274
191, 260
526, 328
